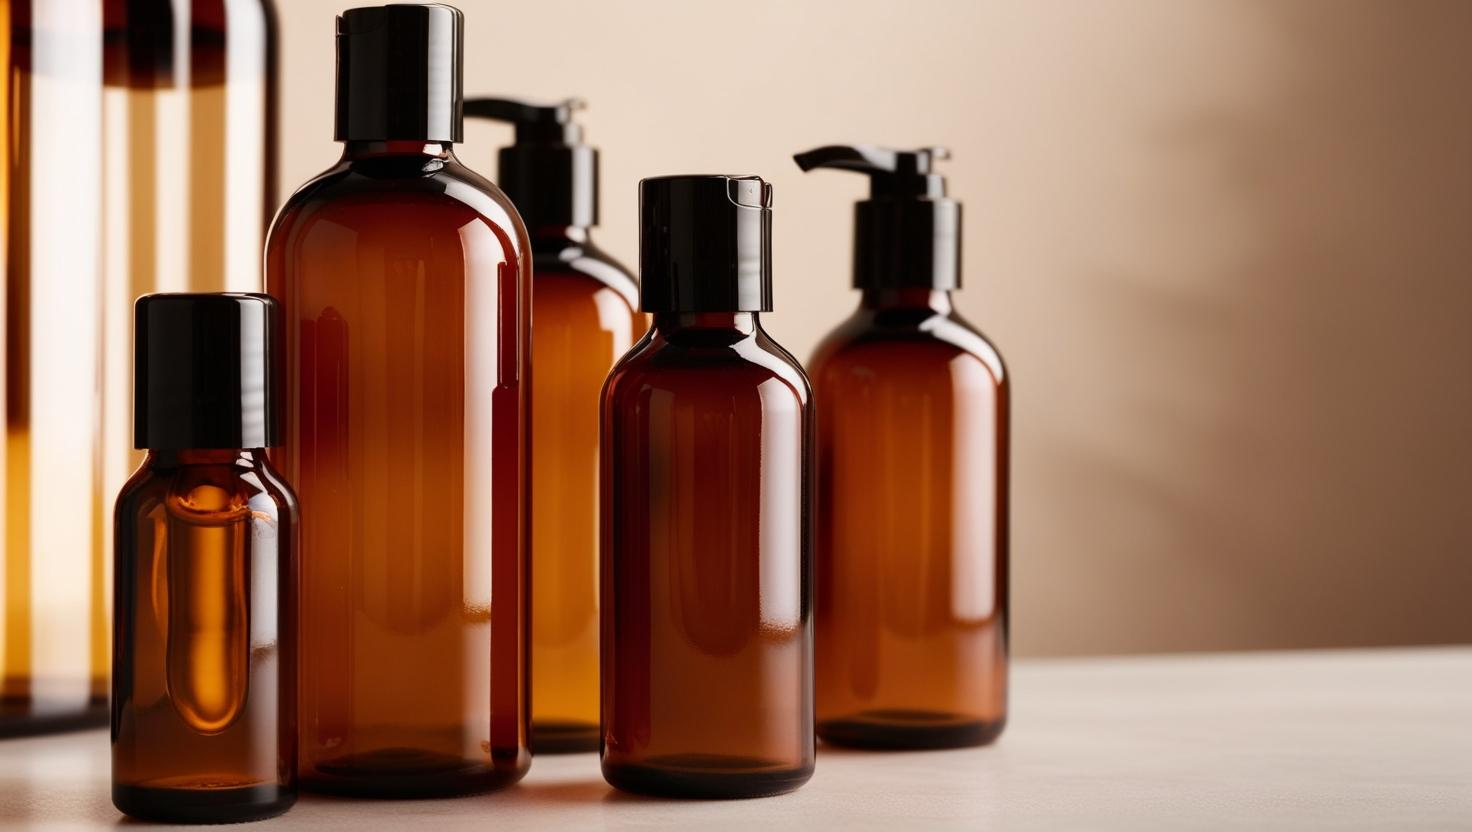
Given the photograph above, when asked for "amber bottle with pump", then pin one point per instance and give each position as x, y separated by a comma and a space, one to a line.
584, 312
204, 681
912, 473
403, 278
707, 640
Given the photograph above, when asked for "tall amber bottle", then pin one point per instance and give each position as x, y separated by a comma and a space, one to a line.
912, 472
707, 639
584, 319
204, 682
404, 280
53, 584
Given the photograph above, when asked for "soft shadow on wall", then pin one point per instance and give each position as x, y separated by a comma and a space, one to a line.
1261, 439
1223, 247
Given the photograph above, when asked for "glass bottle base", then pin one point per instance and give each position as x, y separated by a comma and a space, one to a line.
408, 773
706, 776
564, 737
909, 730
204, 805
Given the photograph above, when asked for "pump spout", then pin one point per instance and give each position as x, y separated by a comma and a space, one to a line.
892, 173
535, 123
548, 172
907, 234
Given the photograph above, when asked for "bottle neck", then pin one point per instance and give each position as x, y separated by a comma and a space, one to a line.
744, 323
358, 149
206, 456
930, 300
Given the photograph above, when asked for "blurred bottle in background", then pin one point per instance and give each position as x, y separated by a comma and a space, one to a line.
188, 173
140, 151
583, 306
53, 628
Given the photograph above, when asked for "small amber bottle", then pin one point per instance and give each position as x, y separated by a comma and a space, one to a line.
204, 630
585, 306
707, 640
912, 481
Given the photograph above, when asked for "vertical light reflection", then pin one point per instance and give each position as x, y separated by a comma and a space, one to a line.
66, 160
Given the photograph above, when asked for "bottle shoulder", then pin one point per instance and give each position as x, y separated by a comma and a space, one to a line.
753, 363
582, 267
366, 194
212, 489
873, 345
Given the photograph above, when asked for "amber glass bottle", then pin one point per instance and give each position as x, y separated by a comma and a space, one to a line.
912, 472
53, 584
583, 310
204, 683
403, 278
707, 640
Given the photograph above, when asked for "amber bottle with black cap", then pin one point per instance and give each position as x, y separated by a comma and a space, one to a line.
912, 480
707, 640
403, 278
585, 318
204, 635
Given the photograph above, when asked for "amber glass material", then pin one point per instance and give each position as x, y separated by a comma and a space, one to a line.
188, 174
204, 689
583, 308
912, 527
707, 636
53, 584
403, 279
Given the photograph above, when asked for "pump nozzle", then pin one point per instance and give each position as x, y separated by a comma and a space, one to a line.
550, 175
907, 234
892, 173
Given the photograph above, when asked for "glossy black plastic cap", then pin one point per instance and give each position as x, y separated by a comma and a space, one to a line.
907, 234
705, 244
204, 374
399, 73
549, 174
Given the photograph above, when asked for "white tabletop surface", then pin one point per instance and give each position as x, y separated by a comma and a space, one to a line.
1366, 739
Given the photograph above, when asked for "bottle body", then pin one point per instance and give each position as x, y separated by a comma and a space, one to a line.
403, 281
912, 528
585, 319
204, 688
707, 640
53, 590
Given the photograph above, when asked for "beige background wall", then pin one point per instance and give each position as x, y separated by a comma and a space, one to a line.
1225, 247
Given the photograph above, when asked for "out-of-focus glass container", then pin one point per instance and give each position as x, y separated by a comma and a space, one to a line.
53, 626
139, 157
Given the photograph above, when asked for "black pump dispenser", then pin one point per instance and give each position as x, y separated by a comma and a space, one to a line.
399, 73
549, 174
204, 371
907, 234
705, 244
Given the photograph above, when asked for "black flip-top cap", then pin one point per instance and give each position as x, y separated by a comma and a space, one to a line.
399, 73
705, 244
204, 371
